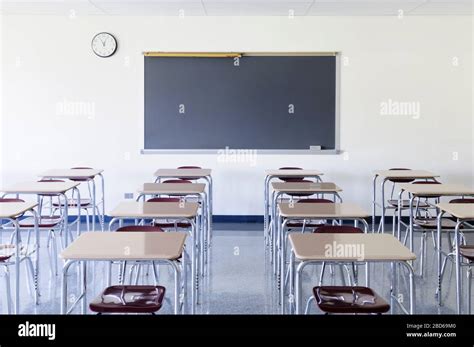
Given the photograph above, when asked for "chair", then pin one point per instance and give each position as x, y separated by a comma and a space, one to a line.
305, 223
129, 299
52, 224
85, 203
187, 168
339, 229
7, 257
466, 251
349, 300
123, 265
165, 224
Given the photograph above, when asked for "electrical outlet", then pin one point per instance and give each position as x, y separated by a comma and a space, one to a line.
128, 195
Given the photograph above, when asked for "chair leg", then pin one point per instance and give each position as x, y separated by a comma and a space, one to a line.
155, 273
308, 302
468, 301
8, 290
31, 272
321, 275
422, 252
355, 273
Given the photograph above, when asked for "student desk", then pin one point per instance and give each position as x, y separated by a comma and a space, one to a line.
289, 212
204, 174
12, 211
133, 246
281, 188
179, 189
417, 190
463, 213
177, 211
312, 249
392, 174
82, 174
271, 175
49, 188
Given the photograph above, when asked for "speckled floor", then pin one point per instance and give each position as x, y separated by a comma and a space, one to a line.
240, 281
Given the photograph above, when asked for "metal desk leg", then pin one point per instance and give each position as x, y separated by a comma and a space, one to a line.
93, 205
17, 266
66, 267
374, 201
84, 287
438, 255
298, 284
103, 202
458, 267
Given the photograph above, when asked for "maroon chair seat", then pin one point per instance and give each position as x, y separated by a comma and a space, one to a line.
44, 222
177, 181
81, 179
467, 252
140, 228
338, 229
406, 203
7, 200
432, 223
129, 299
462, 201
345, 299
164, 225
400, 180
187, 168
163, 200
309, 225
73, 203
6, 252
291, 179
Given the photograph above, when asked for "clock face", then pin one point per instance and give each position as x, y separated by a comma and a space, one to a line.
104, 45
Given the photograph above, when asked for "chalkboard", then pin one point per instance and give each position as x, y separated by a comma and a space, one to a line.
252, 102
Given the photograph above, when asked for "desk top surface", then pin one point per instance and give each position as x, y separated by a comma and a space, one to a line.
14, 209
40, 187
172, 188
140, 209
70, 173
305, 187
293, 173
461, 211
322, 210
447, 189
405, 174
349, 247
193, 173
126, 245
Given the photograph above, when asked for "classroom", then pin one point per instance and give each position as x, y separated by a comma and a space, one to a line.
237, 157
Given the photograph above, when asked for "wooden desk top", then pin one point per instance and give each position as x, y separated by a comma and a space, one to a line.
293, 173
15, 209
126, 246
305, 187
193, 173
172, 188
446, 189
139, 209
322, 210
40, 187
405, 174
349, 247
461, 211
70, 173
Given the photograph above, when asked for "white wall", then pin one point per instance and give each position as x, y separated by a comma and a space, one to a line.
47, 60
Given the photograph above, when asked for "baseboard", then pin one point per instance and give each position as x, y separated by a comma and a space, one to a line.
247, 219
